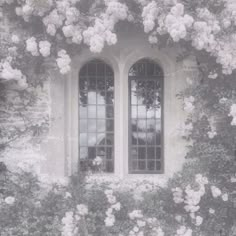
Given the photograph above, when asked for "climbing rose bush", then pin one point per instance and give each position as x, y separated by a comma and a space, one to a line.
190, 204
45, 35
62, 24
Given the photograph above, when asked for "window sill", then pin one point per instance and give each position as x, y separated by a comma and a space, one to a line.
127, 181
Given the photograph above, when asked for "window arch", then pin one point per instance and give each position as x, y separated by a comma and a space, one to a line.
145, 117
96, 117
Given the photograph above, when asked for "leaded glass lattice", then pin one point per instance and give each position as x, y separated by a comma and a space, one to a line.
96, 117
145, 116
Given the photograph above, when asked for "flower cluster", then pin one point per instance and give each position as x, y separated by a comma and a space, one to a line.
9, 200
32, 46
191, 198
71, 219
177, 23
73, 33
188, 104
149, 15
101, 32
184, 129
44, 48
115, 206
97, 161
15, 39
53, 21
216, 192
137, 216
7, 72
211, 134
184, 231
82, 210
63, 61
142, 223
233, 114
68, 225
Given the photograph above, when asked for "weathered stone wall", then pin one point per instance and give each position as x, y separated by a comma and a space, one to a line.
22, 117
61, 148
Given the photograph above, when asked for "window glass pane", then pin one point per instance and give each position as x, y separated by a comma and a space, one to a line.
92, 111
141, 165
134, 138
84, 71
92, 69
92, 97
83, 126
110, 126
101, 152
151, 125
134, 165
151, 153
134, 111
141, 153
133, 125
101, 112
83, 139
142, 138
151, 165
83, 112
100, 69
92, 139
92, 83
151, 138
101, 83
101, 126
134, 153
142, 112
83, 152
101, 139
110, 84
91, 152
109, 97
109, 112
142, 125
145, 91
110, 166
150, 113
109, 153
158, 165
109, 71
110, 139
92, 126
96, 116
101, 98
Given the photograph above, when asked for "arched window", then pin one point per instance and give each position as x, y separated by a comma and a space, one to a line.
96, 117
145, 117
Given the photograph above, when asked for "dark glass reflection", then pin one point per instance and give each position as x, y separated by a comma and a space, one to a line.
145, 81
96, 112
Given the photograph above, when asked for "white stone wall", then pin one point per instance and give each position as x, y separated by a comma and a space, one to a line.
62, 147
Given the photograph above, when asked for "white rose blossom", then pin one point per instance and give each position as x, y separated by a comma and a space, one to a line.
32, 46
233, 114
44, 48
189, 104
82, 209
216, 192
15, 39
9, 200
63, 62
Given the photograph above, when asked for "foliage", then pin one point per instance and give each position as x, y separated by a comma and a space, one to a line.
199, 200
191, 203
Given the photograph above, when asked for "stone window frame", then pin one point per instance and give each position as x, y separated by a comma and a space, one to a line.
121, 62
